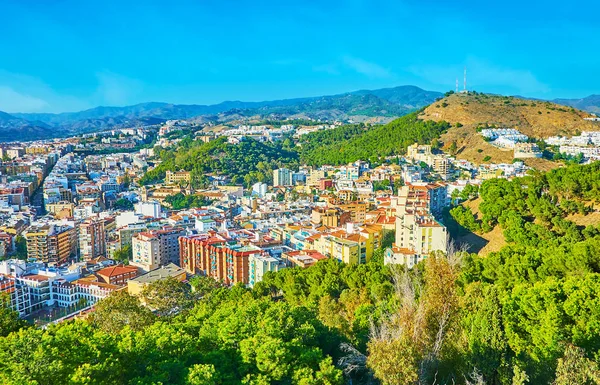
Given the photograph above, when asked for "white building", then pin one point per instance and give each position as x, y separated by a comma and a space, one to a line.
149, 209
259, 264
259, 189
282, 177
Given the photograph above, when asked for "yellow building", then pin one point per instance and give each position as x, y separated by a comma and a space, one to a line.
330, 217
357, 210
178, 177
61, 209
136, 286
336, 246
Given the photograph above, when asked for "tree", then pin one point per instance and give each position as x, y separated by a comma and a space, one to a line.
124, 254
21, 247
168, 296
453, 148
202, 285
123, 204
9, 319
574, 368
203, 374
118, 310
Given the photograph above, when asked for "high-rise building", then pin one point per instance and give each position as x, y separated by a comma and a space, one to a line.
152, 249
282, 177
418, 233
92, 239
216, 256
51, 243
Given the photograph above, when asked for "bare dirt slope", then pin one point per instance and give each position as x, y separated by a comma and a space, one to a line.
537, 119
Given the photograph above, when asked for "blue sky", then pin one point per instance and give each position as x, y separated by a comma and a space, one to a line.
59, 55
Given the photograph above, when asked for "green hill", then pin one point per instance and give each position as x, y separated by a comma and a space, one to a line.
347, 144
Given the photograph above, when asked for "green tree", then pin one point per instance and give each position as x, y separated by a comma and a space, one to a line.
123, 204
118, 310
168, 296
9, 319
124, 254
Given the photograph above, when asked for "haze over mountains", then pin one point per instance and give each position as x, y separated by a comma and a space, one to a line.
385, 103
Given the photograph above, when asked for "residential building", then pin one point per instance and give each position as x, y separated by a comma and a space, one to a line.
149, 209
117, 275
282, 177
330, 217
50, 243
259, 264
92, 239
155, 248
216, 256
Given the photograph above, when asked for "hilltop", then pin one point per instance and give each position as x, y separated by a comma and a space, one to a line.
537, 119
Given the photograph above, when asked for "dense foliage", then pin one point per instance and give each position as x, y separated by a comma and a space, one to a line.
180, 201
348, 144
248, 162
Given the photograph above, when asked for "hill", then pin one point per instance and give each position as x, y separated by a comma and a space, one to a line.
247, 162
360, 105
348, 143
537, 119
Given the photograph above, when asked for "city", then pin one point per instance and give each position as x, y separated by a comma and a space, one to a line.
299, 193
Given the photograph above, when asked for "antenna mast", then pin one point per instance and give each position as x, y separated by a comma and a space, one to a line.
457, 85
465, 81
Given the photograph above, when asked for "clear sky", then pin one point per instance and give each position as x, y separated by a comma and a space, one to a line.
61, 55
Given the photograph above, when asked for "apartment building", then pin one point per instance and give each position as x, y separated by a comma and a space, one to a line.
418, 232
282, 177
217, 256
51, 243
155, 248
423, 153
430, 196
330, 217
92, 239
357, 210
259, 264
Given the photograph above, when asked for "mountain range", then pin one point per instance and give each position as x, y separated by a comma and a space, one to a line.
386, 102
590, 103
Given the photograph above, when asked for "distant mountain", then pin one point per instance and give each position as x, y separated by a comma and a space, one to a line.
387, 102
590, 103
14, 128
411, 97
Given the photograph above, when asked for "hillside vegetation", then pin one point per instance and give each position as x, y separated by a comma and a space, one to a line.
252, 161
537, 119
247, 162
345, 144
